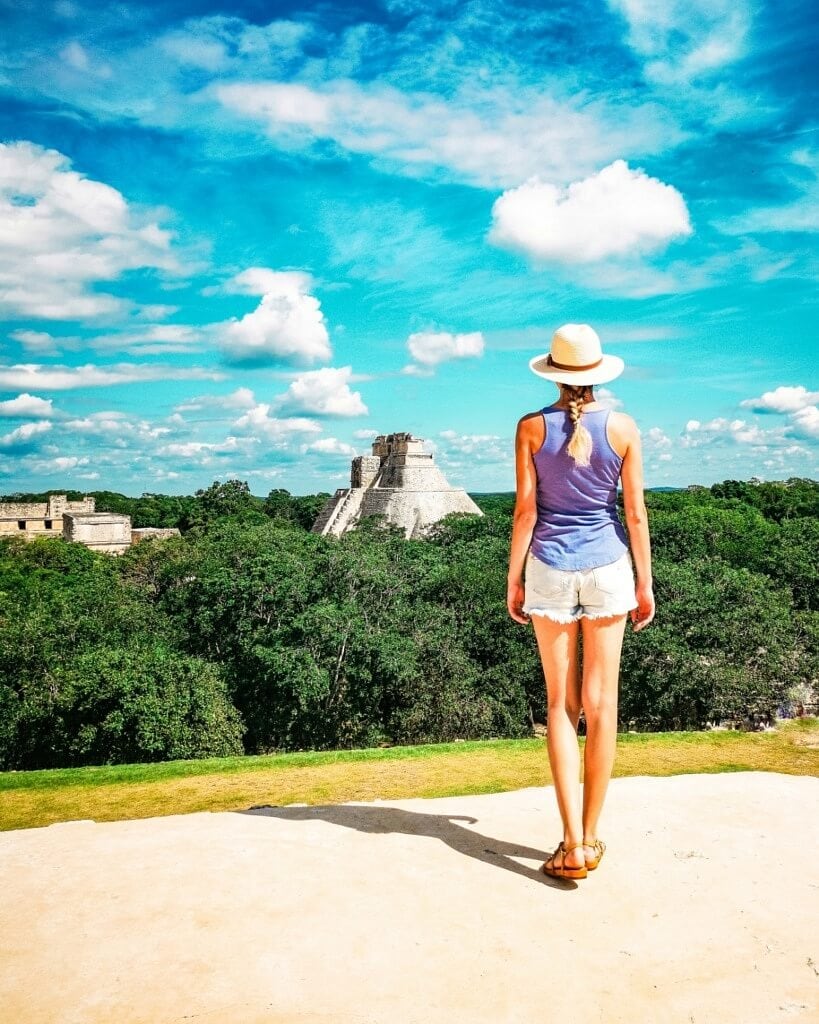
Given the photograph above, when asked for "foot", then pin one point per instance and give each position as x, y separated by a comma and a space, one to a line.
567, 861
593, 850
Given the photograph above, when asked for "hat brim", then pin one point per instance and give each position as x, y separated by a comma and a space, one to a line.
608, 369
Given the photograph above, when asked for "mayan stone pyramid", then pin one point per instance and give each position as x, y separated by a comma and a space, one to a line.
400, 482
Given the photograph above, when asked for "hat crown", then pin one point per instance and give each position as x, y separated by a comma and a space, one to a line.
576, 345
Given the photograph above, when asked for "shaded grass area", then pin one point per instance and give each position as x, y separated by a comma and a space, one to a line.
114, 793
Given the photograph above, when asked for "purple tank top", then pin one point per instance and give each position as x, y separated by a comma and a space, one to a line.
577, 522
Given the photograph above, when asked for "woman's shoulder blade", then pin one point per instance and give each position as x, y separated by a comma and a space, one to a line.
621, 431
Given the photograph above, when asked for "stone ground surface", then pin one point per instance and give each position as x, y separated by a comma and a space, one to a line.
704, 909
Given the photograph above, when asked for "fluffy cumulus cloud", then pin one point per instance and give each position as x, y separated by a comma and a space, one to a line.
429, 348
656, 438
806, 421
782, 399
259, 422
27, 405
331, 446
325, 392
287, 325
618, 212
608, 398
62, 234
25, 437
797, 403
721, 430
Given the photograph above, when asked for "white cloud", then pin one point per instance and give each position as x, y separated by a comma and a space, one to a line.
153, 339
241, 398
61, 378
61, 234
782, 399
657, 438
194, 449
75, 56
288, 323
259, 421
608, 398
494, 138
331, 446
61, 464
325, 392
481, 448
683, 39
365, 435
806, 421
117, 425
721, 430
412, 370
617, 212
27, 405
23, 437
41, 343
433, 347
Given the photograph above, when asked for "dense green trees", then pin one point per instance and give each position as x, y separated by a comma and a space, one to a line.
250, 633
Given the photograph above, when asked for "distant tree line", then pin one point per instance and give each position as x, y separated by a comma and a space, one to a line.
250, 634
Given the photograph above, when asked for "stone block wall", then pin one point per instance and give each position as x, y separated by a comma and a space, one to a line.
103, 531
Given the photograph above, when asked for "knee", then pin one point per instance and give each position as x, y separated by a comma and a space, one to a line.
600, 707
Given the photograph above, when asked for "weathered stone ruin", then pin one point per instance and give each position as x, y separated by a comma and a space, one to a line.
76, 521
400, 482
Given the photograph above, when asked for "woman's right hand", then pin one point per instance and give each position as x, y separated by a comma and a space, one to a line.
644, 612
514, 602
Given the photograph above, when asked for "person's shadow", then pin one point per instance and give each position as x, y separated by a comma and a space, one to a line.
488, 849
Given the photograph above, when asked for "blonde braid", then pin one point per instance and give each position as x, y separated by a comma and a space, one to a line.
580, 443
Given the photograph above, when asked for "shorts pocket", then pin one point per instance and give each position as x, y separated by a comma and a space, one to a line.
615, 578
545, 580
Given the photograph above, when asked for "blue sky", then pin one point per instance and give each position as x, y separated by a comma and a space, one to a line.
240, 240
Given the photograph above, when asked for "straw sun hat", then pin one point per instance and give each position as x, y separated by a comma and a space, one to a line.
576, 358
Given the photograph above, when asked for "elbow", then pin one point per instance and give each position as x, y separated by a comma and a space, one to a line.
637, 517
524, 518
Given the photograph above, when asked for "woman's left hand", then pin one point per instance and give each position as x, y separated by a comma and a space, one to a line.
514, 602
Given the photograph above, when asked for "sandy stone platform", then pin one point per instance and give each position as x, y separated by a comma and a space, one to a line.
705, 909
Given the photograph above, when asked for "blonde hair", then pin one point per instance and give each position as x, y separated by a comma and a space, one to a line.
580, 443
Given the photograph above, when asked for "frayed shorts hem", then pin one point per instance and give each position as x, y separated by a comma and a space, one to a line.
566, 617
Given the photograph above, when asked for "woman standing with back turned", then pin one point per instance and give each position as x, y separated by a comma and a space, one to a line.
568, 541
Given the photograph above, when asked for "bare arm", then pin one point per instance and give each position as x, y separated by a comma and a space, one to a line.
637, 526
525, 517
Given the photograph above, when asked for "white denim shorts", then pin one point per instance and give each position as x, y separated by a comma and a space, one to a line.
568, 594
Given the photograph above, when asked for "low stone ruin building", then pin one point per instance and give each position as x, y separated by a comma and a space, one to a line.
398, 481
40, 518
76, 521
102, 531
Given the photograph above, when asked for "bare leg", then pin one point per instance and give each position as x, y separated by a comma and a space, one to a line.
557, 643
602, 644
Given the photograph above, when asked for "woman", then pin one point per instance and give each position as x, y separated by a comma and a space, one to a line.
579, 573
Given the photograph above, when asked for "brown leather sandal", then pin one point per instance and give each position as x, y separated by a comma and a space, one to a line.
563, 870
599, 848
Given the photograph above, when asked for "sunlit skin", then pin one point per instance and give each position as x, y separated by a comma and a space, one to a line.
593, 686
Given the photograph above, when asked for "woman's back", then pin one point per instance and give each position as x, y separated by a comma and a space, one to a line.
577, 522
